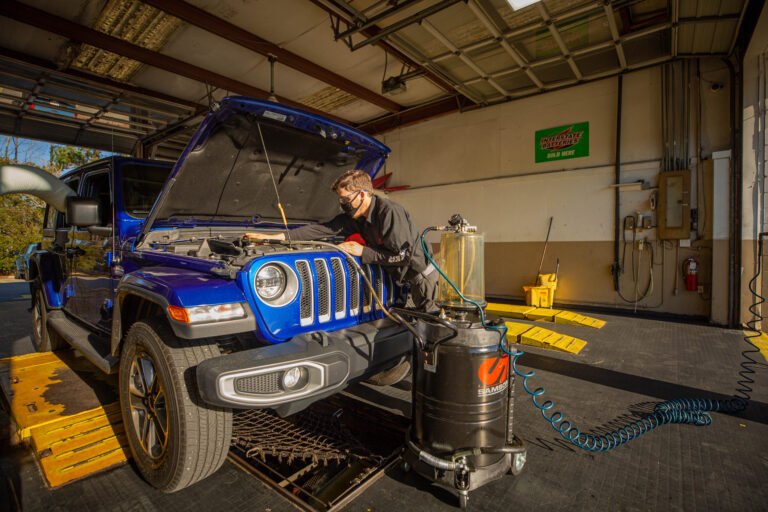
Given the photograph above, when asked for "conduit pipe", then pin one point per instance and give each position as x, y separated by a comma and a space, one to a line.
617, 203
27, 179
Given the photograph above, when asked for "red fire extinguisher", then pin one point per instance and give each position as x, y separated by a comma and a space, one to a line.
691, 271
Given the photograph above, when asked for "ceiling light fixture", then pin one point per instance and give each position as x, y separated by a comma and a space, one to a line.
519, 4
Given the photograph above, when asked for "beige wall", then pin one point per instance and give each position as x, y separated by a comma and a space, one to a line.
753, 156
481, 164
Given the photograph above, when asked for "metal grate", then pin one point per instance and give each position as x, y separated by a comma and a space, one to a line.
308, 436
367, 291
259, 384
354, 292
306, 310
379, 285
339, 288
323, 290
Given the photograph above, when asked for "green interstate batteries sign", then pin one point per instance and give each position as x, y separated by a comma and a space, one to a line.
562, 142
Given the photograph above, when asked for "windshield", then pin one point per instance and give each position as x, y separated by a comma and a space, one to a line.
141, 184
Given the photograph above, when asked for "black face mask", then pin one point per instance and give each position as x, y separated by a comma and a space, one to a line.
346, 205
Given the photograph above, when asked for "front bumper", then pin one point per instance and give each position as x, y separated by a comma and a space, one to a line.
329, 361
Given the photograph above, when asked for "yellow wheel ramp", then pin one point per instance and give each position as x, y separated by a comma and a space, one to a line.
55, 400
557, 316
536, 336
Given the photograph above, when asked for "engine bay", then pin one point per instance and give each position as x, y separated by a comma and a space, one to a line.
229, 247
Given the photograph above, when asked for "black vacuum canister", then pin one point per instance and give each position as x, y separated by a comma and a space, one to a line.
461, 434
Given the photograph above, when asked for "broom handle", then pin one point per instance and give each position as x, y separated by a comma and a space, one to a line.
545, 248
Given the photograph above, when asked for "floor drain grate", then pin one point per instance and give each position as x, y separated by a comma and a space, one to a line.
320, 458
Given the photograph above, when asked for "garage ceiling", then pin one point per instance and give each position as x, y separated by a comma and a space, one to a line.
136, 76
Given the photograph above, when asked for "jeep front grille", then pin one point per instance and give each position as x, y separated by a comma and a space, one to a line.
354, 291
339, 287
367, 291
306, 309
323, 291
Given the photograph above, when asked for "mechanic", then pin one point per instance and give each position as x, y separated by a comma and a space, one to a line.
390, 237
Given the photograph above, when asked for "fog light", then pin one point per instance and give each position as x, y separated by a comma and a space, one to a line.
294, 378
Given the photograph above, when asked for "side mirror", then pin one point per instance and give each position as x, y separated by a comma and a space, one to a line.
82, 212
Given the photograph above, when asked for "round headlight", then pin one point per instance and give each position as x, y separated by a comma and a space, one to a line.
270, 282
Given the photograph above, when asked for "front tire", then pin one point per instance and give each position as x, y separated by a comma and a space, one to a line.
45, 340
175, 438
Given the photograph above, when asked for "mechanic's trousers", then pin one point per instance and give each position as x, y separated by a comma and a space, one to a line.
423, 288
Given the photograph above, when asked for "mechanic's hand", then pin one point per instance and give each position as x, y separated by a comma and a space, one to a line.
257, 237
353, 248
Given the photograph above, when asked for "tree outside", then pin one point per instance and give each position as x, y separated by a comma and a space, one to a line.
21, 215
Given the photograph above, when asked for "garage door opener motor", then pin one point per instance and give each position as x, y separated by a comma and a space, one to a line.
461, 435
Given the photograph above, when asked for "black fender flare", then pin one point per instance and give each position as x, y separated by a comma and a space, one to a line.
45, 266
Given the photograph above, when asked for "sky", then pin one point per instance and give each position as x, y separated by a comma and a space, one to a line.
35, 152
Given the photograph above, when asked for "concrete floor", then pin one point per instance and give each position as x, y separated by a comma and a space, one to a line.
626, 367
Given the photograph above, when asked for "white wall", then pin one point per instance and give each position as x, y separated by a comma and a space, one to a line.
482, 163
513, 196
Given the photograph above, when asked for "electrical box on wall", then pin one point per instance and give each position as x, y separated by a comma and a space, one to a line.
674, 206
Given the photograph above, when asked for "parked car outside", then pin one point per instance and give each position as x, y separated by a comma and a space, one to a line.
147, 273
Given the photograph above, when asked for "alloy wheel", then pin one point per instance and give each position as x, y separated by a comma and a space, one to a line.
148, 406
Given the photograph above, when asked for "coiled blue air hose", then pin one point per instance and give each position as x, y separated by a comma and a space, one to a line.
687, 411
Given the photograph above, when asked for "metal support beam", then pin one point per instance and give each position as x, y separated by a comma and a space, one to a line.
463, 56
738, 27
615, 33
559, 40
51, 23
391, 29
336, 11
200, 18
375, 19
675, 26
494, 30
422, 113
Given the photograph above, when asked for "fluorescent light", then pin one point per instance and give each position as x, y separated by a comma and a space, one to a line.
519, 4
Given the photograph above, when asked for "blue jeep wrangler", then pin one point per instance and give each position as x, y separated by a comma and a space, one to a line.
147, 274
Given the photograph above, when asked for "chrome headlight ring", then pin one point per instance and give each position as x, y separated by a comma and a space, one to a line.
275, 284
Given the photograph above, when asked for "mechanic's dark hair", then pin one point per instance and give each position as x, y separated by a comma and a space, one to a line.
353, 180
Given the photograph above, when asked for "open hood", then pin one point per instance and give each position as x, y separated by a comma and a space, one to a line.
224, 176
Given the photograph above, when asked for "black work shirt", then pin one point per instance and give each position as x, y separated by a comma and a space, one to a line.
391, 237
